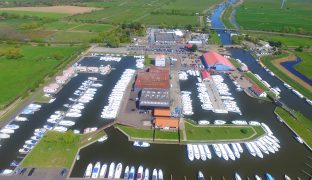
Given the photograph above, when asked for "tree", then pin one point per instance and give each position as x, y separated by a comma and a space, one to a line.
299, 49
194, 48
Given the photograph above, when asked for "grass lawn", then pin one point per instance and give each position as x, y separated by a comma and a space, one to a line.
305, 66
302, 126
170, 135
64, 36
268, 15
222, 133
19, 75
259, 83
37, 14
54, 150
267, 61
136, 133
226, 18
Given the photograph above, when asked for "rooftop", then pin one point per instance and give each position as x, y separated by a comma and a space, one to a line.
163, 122
155, 98
162, 112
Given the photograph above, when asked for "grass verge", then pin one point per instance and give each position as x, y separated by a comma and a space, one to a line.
222, 133
302, 126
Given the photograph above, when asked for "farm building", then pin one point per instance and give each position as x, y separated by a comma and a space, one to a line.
213, 60
162, 112
205, 75
155, 77
257, 90
151, 98
166, 123
160, 60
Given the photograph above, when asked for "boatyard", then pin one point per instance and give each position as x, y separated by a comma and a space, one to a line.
184, 115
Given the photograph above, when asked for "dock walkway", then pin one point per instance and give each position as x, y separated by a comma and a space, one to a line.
214, 96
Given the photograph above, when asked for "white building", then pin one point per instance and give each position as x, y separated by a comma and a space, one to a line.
160, 60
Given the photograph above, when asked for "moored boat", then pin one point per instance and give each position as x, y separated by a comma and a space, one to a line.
190, 152
118, 171
155, 175
111, 170
141, 144
126, 173
96, 170
88, 171
160, 175
269, 176
140, 173
146, 174
132, 173
103, 171
287, 177
237, 177
200, 176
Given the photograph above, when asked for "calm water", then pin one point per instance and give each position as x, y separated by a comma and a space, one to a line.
290, 67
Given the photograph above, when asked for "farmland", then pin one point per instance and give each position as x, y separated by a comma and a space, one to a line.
304, 67
24, 73
294, 17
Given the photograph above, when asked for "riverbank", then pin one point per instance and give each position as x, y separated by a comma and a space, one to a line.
274, 64
253, 78
301, 126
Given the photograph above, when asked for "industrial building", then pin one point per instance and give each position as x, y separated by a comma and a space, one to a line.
166, 123
154, 77
213, 60
257, 90
151, 98
205, 75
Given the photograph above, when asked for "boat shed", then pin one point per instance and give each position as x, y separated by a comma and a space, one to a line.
205, 75
154, 78
213, 60
257, 90
166, 123
151, 98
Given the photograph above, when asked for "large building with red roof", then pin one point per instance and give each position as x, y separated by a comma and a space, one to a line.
155, 77
213, 60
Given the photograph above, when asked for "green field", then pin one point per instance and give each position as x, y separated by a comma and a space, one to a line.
305, 66
226, 18
214, 38
94, 27
65, 36
267, 61
37, 14
302, 126
285, 40
54, 150
147, 134
60, 25
19, 75
169, 20
294, 17
222, 133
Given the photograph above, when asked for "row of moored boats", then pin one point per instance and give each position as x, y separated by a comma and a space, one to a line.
116, 171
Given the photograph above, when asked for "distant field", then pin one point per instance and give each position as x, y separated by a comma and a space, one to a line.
285, 40
18, 75
187, 6
60, 25
52, 9
169, 20
268, 15
94, 27
38, 14
305, 67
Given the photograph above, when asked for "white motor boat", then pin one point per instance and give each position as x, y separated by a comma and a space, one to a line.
11, 126
88, 171
111, 170
237, 177
203, 122
160, 175
96, 170
140, 173
66, 123
4, 136
202, 152
103, 171
103, 138
196, 151
132, 173
141, 144
200, 176
19, 118
190, 152
155, 175
7, 131
60, 128
207, 151
118, 171
126, 173
36, 138
146, 174
23, 150
32, 142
